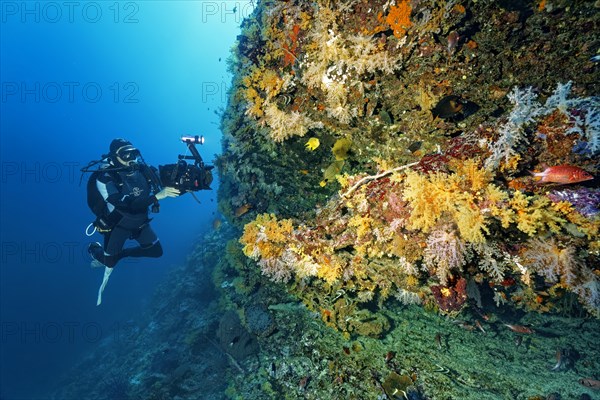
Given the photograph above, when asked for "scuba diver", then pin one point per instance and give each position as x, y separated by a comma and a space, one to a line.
120, 193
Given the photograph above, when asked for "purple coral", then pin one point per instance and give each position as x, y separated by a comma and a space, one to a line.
585, 200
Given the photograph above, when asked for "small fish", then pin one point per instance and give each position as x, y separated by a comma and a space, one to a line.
303, 382
518, 341
241, 210
595, 58
479, 326
466, 326
480, 312
519, 329
312, 144
415, 146
216, 224
590, 383
448, 107
453, 39
563, 174
389, 356
331, 171
559, 361
273, 370
438, 340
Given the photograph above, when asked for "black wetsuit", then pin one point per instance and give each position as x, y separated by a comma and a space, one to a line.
128, 196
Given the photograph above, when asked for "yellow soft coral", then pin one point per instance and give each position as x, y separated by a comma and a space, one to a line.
330, 268
588, 226
364, 229
534, 214
266, 237
260, 87
461, 198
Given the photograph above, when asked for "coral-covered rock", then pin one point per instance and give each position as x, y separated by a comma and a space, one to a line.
234, 338
259, 320
452, 297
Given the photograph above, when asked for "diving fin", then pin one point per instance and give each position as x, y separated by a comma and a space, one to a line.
107, 272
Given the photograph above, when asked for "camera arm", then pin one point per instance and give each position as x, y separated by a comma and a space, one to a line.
191, 142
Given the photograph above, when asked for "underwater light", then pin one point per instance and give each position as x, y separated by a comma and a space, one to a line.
193, 139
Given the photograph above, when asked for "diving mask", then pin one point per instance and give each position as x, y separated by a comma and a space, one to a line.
128, 155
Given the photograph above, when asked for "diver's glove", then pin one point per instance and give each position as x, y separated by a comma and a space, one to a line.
167, 192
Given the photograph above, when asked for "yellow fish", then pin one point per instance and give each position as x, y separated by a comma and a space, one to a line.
312, 144
341, 148
331, 171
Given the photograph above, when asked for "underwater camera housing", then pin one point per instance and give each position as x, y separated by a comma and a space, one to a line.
187, 177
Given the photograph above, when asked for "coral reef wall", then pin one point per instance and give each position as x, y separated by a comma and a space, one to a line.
332, 99
384, 154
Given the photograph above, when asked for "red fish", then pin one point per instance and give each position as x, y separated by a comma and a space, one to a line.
519, 328
591, 383
563, 174
508, 282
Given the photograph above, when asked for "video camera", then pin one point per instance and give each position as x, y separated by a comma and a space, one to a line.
187, 177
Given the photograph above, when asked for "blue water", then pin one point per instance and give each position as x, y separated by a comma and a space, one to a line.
74, 76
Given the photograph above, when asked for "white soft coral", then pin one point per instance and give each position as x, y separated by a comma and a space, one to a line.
525, 109
589, 295
444, 251
552, 262
583, 112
